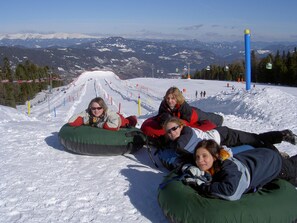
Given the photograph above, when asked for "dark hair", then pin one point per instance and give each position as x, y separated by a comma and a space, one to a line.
98, 100
213, 148
210, 145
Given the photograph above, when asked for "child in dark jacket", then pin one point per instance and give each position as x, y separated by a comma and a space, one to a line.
228, 177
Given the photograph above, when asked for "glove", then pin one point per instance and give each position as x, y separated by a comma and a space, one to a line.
193, 181
86, 120
194, 176
191, 170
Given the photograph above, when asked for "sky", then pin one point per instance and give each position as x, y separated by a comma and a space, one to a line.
41, 182
213, 20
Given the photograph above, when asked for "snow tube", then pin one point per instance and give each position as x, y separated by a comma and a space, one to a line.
151, 127
87, 140
276, 202
170, 159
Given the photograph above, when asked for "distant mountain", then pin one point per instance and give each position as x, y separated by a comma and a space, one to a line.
69, 55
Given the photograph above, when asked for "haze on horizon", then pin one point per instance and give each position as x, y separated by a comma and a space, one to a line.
205, 21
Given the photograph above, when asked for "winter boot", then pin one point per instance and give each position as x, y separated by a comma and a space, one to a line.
289, 136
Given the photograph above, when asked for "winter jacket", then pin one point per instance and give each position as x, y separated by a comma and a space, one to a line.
110, 120
183, 111
192, 116
189, 138
245, 172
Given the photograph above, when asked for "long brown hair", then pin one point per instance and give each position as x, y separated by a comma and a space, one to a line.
98, 100
214, 149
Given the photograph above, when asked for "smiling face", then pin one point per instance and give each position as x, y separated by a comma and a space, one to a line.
96, 109
173, 130
203, 159
171, 101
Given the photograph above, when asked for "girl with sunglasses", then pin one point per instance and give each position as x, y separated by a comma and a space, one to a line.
99, 115
183, 139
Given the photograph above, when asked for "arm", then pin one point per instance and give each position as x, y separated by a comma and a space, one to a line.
227, 184
111, 121
186, 113
79, 119
164, 113
188, 139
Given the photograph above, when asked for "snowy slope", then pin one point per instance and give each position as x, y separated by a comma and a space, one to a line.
40, 182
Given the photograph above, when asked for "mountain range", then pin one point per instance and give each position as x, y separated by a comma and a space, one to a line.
71, 54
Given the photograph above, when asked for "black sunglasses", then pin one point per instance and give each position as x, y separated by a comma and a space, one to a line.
172, 129
96, 108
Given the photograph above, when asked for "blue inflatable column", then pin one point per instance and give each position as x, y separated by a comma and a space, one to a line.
247, 38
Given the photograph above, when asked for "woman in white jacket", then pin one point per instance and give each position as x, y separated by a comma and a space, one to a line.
99, 115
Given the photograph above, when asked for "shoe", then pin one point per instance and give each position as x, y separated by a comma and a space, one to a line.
289, 136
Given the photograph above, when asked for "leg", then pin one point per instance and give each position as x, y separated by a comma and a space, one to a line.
214, 118
275, 137
232, 137
289, 170
272, 137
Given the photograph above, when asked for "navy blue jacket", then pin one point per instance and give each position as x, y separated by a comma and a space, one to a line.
245, 172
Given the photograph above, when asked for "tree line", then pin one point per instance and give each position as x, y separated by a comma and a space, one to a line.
275, 69
22, 83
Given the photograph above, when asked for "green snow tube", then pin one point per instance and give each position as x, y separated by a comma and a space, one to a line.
277, 202
87, 140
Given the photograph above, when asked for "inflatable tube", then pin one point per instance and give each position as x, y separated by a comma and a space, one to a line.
277, 202
88, 140
151, 127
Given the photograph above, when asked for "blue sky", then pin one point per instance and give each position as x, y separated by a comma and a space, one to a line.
212, 20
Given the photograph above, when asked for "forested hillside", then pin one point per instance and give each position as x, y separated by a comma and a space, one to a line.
23, 82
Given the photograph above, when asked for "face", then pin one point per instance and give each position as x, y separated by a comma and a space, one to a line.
173, 130
96, 109
204, 160
171, 101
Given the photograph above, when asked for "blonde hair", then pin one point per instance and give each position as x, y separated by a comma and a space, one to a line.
180, 99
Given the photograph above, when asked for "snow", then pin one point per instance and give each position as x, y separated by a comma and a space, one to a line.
40, 182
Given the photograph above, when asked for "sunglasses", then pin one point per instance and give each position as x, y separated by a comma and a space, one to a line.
172, 129
96, 108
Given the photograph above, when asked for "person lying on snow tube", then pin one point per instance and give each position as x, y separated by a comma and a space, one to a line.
174, 104
217, 173
99, 115
183, 139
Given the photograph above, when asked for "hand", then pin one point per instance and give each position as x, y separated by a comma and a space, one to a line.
100, 125
193, 171
193, 181
86, 120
